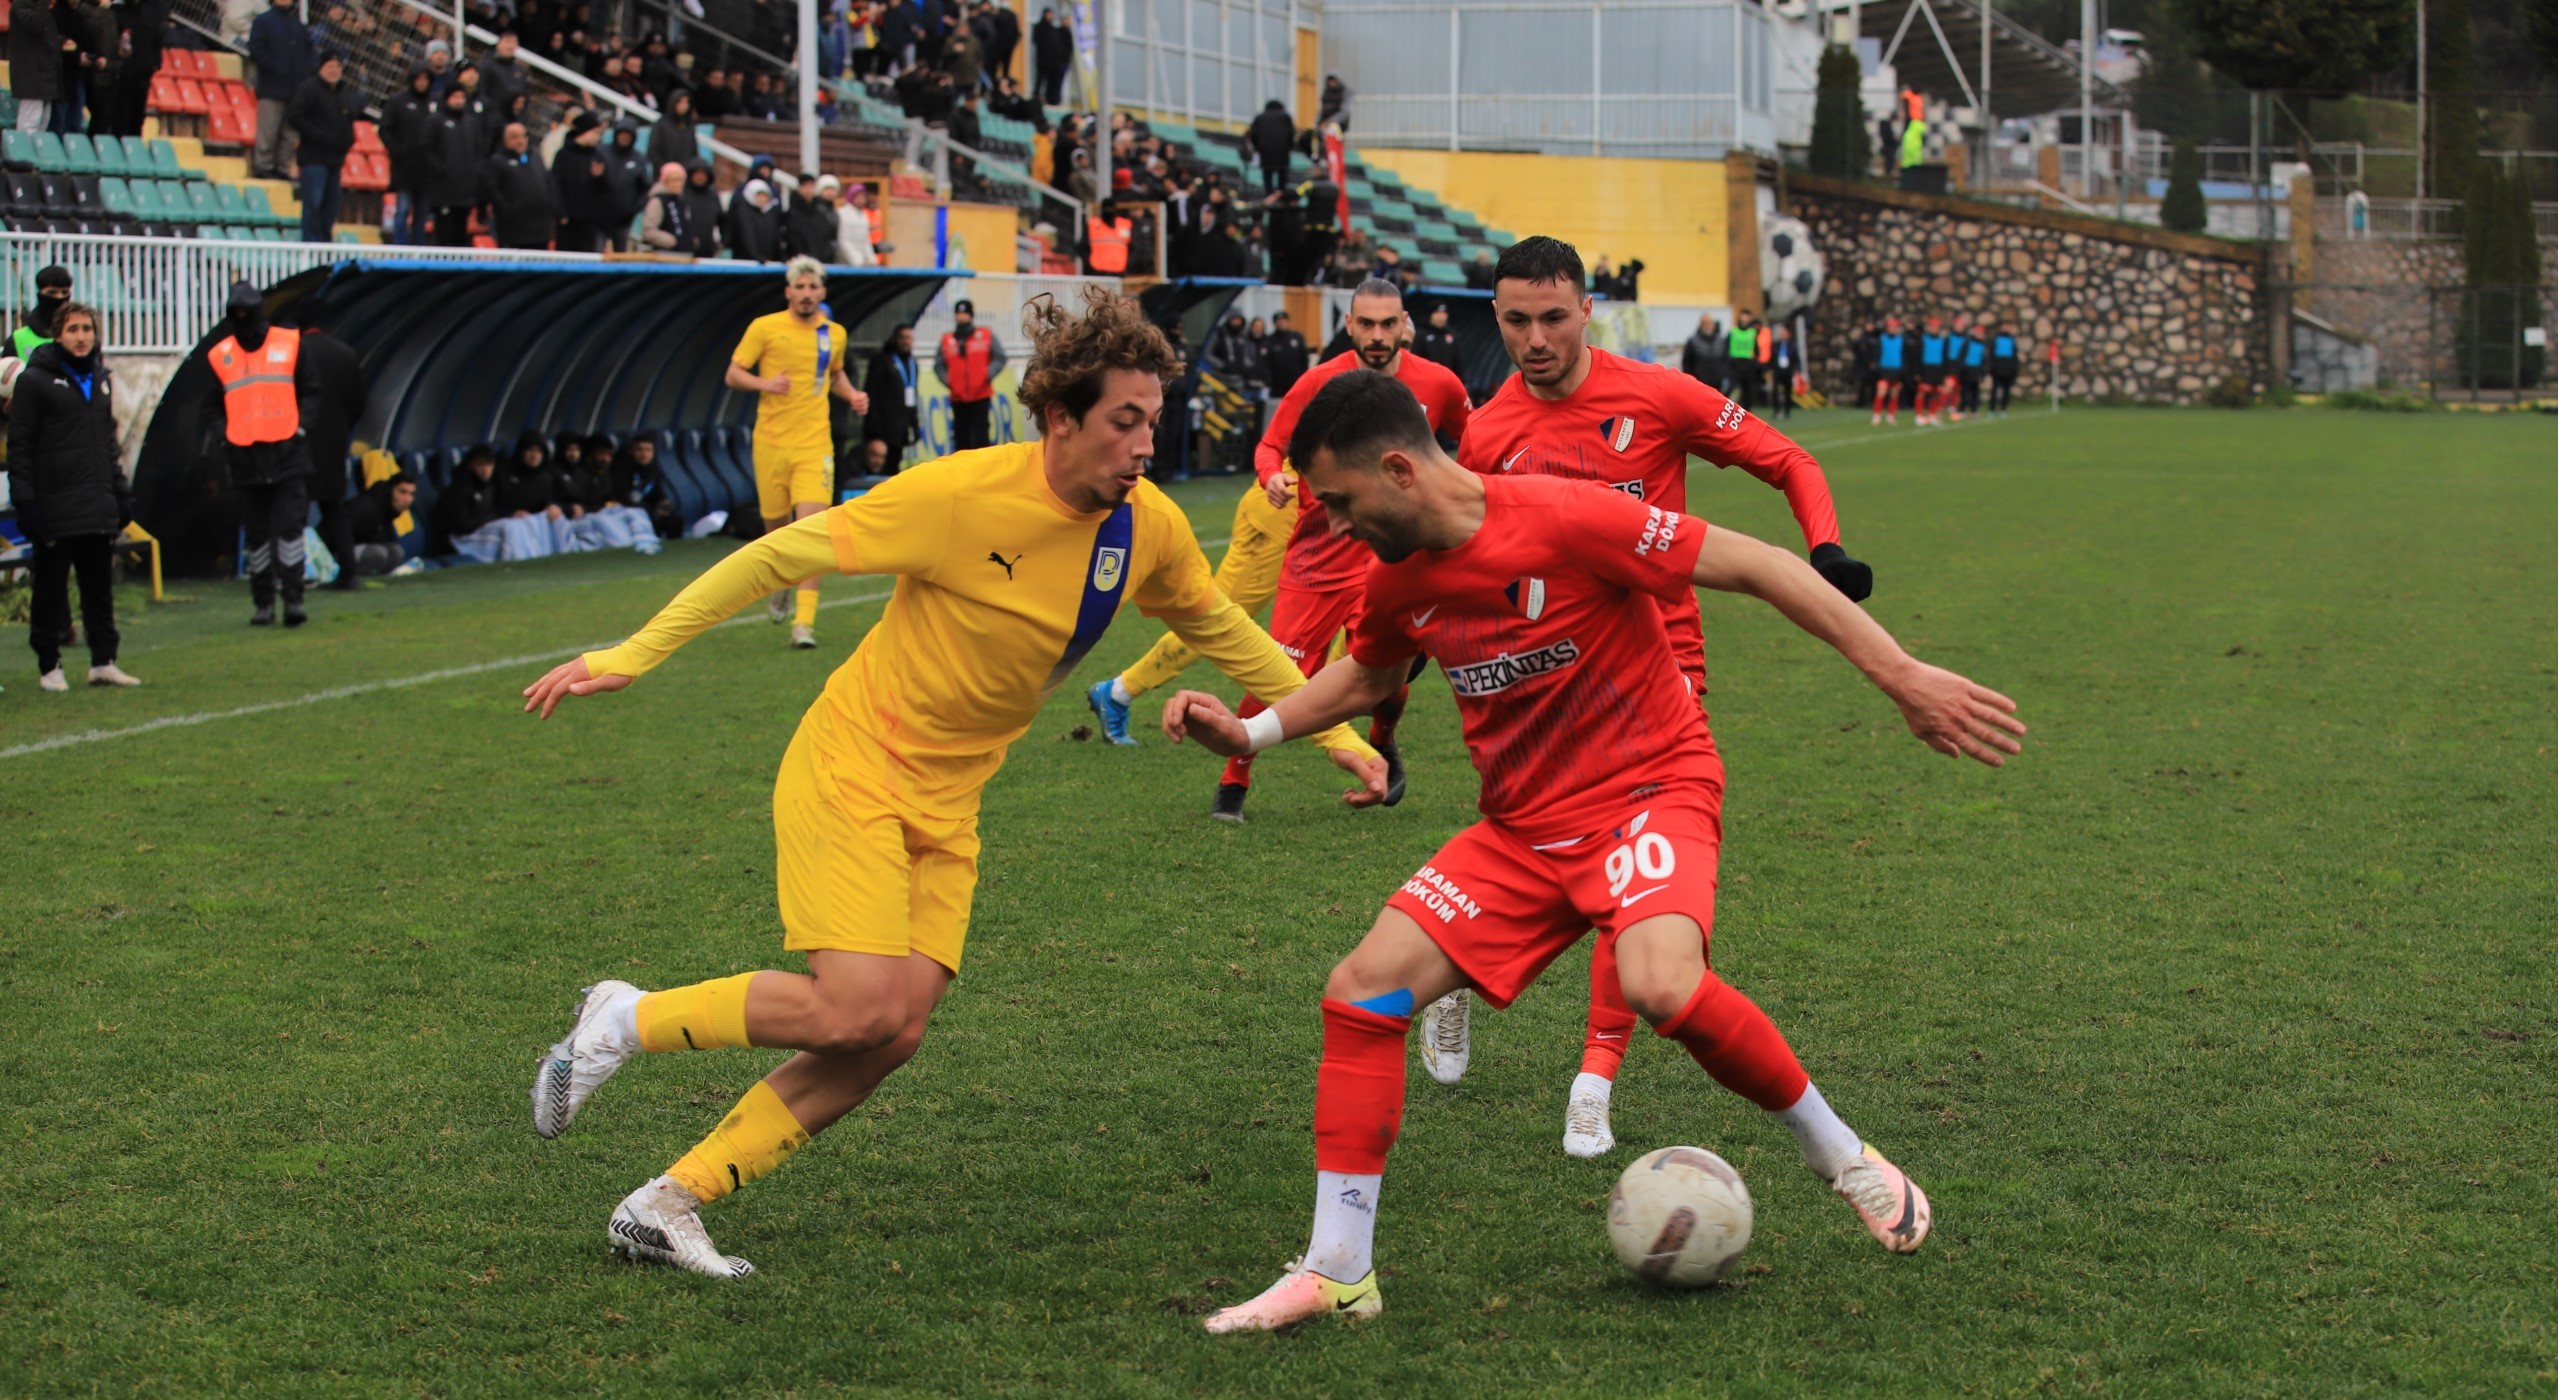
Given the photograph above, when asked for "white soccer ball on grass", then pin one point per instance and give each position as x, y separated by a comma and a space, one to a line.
1679, 1217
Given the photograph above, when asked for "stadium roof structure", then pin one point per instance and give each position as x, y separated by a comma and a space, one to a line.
460, 353
1935, 45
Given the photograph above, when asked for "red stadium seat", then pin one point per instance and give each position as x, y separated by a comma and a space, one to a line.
223, 127
238, 94
164, 93
368, 137
191, 97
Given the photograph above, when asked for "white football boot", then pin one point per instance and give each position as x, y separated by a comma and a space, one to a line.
1585, 1118
660, 1223
605, 1035
1301, 1295
803, 637
1444, 1042
1894, 1210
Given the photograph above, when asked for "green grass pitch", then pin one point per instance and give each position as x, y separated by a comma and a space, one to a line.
2221, 1027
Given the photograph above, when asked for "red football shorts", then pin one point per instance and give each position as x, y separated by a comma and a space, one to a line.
1501, 909
1303, 621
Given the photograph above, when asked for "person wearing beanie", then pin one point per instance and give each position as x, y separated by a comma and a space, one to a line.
261, 371
53, 292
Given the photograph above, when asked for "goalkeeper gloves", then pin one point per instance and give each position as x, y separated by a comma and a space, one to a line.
1849, 576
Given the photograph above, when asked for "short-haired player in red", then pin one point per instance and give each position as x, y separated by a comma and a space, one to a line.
1320, 581
1576, 411
1601, 799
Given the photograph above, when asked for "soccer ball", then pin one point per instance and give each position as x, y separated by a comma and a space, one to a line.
1679, 1217
1791, 271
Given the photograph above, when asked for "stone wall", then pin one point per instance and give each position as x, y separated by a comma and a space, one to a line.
2404, 298
2141, 313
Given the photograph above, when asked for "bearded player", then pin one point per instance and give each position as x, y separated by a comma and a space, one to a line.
1576, 411
1601, 801
792, 360
1010, 561
1320, 582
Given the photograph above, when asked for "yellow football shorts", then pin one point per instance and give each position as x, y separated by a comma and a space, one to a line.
860, 876
785, 477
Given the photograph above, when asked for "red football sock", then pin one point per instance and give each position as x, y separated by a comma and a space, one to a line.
1359, 1089
1738, 1045
1611, 1020
1239, 769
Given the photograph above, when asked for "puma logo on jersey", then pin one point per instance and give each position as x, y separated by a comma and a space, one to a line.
1617, 433
993, 558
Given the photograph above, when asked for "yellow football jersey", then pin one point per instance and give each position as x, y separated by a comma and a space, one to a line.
810, 355
1001, 588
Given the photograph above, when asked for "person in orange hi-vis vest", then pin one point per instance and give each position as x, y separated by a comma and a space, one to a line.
260, 370
971, 357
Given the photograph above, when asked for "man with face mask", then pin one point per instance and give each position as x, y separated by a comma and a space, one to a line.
53, 292
260, 367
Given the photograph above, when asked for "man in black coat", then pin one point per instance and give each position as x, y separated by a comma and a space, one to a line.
35, 63
70, 494
627, 178
323, 119
329, 388
811, 229
1052, 53
1003, 37
1272, 136
373, 527
454, 147
1438, 344
280, 58
890, 382
145, 21
577, 185
1285, 352
702, 209
518, 193
469, 501
407, 119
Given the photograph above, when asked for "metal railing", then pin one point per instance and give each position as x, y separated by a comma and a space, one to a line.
157, 296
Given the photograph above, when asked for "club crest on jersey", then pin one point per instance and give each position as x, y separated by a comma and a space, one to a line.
1617, 433
1527, 595
1107, 565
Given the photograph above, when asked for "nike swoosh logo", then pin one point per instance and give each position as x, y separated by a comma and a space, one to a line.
1628, 901
1514, 459
1603, 1035
1909, 1210
1422, 618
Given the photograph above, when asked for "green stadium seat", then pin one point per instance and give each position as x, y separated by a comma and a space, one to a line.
199, 197
228, 204
8, 108
113, 195
18, 149
110, 156
50, 157
264, 212
79, 155
269, 234
164, 161
347, 235
144, 195
137, 155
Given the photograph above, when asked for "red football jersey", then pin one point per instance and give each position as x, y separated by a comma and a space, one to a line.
1569, 697
1632, 427
1315, 559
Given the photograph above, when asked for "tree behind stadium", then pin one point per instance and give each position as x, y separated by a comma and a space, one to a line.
2183, 209
1839, 146
2320, 46
2451, 121
2500, 249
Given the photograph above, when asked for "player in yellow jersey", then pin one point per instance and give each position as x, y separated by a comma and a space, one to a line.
1010, 562
794, 359
1249, 574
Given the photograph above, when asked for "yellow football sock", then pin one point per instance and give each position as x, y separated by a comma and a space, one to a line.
806, 616
703, 1016
754, 1138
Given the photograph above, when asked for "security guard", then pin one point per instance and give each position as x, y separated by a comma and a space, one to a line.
258, 366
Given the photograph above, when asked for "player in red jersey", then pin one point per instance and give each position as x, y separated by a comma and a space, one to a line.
1601, 798
1320, 581
1576, 411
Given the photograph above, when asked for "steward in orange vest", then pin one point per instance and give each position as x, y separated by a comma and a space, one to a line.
260, 370
971, 357
1107, 242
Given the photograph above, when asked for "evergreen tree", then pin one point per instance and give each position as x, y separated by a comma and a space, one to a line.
2327, 46
2183, 210
2451, 126
1839, 137
2501, 256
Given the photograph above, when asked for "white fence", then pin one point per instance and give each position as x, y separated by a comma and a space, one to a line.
157, 296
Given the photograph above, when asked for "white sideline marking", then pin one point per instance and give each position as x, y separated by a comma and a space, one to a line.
348, 692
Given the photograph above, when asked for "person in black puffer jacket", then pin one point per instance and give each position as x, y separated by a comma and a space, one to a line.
754, 231
70, 494
528, 486
454, 147
471, 500
702, 209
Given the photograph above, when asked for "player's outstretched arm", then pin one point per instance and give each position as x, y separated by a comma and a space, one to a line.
1947, 712
779, 560
1336, 694
1228, 637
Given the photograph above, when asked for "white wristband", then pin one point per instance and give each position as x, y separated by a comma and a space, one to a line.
1263, 730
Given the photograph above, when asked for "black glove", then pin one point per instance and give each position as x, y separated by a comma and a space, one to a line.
1849, 576
30, 520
